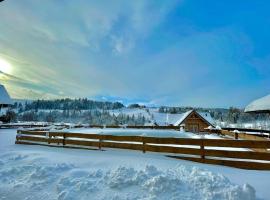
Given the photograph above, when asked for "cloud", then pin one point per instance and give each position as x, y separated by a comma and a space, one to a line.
52, 47
122, 49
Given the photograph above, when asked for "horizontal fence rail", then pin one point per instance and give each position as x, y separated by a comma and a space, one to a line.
247, 130
212, 151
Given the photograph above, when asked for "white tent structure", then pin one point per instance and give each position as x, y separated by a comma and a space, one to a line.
261, 105
5, 99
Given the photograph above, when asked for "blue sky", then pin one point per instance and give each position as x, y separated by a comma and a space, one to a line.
178, 52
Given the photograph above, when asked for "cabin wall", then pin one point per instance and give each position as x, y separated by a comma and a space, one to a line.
194, 123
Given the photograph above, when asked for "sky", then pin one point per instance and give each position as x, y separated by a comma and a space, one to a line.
204, 53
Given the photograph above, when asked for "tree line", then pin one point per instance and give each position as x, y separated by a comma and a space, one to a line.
231, 115
66, 104
72, 110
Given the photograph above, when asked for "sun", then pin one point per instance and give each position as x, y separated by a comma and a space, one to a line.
5, 66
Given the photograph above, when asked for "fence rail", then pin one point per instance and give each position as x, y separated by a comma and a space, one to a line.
212, 151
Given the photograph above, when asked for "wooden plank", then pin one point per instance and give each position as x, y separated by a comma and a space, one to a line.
238, 154
83, 135
247, 130
244, 136
33, 139
236, 143
123, 146
176, 141
44, 144
56, 134
237, 164
82, 143
122, 138
55, 140
251, 137
104, 137
28, 143
168, 149
39, 133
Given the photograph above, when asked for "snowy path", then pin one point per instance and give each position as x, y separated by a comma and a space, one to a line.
36, 172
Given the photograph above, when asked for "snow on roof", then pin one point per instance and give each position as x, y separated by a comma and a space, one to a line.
182, 118
204, 115
207, 117
259, 105
163, 119
4, 96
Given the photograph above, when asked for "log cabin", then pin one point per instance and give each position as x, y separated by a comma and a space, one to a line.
193, 121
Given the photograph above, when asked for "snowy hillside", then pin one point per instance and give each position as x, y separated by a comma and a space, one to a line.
132, 112
155, 117
262, 104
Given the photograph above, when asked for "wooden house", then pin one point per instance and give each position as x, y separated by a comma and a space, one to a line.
193, 121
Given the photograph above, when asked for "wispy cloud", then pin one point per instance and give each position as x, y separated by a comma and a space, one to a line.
128, 49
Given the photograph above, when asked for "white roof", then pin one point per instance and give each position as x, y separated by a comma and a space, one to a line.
262, 104
4, 96
163, 119
207, 117
204, 115
182, 118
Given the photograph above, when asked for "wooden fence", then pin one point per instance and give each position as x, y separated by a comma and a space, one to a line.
257, 132
238, 135
198, 150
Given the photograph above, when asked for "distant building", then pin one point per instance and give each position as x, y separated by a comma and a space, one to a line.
193, 121
5, 100
261, 105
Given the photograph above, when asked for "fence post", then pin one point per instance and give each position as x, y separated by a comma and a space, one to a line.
236, 135
100, 143
18, 135
48, 137
64, 139
143, 145
202, 151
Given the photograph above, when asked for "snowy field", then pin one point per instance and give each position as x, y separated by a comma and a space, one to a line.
141, 132
38, 172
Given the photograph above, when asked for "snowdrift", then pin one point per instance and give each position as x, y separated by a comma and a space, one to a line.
21, 177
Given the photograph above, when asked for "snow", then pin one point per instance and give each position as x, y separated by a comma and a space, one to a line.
262, 104
207, 117
132, 132
141, 132
38, 172
182, 118
161, 119
131, 111
4, 96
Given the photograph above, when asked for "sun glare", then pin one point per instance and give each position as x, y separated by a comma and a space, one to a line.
5, 66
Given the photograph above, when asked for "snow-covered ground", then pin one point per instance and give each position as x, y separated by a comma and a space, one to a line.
37, 172
142, 132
